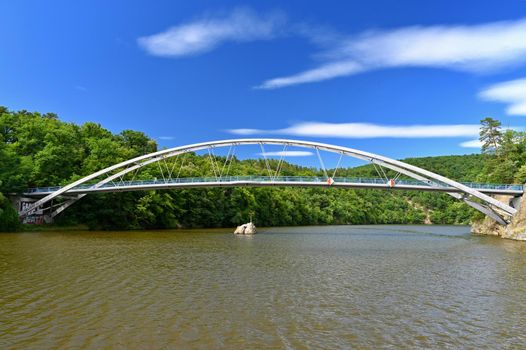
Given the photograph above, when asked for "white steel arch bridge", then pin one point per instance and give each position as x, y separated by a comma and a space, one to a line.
112, 179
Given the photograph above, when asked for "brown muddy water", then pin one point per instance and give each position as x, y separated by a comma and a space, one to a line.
337, 287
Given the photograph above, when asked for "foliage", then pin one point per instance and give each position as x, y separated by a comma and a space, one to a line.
8, 217
459, 168
508, 163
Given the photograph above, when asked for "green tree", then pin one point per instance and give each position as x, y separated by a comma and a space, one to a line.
8, 216
490, 135
138, 142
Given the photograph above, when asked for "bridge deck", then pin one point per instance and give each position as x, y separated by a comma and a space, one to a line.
261, 181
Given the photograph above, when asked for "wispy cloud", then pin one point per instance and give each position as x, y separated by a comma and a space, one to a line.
328, 71
286, 154
366, 130
511, 92
165, 138
471, 144
207, 33
477, 48
247, 131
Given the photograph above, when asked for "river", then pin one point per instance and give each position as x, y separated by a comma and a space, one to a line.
337, 287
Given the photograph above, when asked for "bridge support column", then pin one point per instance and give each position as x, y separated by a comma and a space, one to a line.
490, 213
515, 202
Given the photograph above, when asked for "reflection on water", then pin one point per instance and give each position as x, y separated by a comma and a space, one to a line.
307, 287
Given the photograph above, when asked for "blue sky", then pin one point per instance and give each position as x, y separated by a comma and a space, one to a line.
347, 73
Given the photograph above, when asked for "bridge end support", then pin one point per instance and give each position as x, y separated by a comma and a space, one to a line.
515, 202
489, 212
515, 228
37, 217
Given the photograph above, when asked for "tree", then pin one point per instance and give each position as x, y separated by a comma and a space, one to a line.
490, 135
8, 217
138, 141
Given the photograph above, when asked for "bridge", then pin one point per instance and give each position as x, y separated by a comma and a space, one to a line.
264, 181
114, 178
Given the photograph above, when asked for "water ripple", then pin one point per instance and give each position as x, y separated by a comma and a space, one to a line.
293, 288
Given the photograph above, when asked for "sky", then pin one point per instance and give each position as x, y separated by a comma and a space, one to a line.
399, 78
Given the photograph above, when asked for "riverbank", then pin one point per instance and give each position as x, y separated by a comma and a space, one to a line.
486, 227
52, 228
515, 230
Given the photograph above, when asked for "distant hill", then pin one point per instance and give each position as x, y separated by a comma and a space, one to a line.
456, 167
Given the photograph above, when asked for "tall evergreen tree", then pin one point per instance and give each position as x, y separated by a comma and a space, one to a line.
490, 135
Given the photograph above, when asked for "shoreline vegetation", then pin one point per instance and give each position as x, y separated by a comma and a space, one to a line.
28, 228
41, 150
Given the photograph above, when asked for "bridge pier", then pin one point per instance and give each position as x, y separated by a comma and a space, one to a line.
515, 202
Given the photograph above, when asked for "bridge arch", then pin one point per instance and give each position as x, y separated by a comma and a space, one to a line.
484, 203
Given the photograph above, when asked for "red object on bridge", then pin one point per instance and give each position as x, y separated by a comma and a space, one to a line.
391, 183
330, 181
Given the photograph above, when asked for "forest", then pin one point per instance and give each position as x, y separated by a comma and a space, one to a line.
41, 150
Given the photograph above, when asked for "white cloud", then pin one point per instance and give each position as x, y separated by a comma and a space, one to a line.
511, 92
471, 144
245, 131
475, 48
329, 71
286, 154
478, 48
366, 130
207, 33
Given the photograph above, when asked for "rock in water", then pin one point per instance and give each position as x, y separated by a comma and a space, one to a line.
250, 229
246, 229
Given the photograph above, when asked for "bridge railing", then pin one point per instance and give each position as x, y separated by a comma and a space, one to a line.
256, 178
